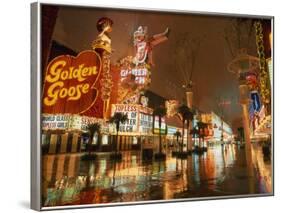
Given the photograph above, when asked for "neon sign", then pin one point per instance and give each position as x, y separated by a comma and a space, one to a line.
70, 81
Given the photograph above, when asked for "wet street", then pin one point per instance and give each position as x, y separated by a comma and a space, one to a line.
221, 171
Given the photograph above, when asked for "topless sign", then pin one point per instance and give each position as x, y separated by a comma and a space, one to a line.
71, 83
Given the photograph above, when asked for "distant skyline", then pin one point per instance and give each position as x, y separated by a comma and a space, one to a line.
76, 28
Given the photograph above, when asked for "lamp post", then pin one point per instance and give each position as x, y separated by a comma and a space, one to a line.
189, 100
242, 65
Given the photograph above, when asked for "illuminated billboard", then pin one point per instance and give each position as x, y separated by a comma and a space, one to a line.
139, 119
156, 128
71, 85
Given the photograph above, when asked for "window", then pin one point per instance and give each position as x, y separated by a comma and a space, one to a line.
135, 140
95, 139
104, 140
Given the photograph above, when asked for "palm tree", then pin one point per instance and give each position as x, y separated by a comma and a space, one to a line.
177, 134
92, 129
201, 127
160, 112
194, 132
186, 115
117, 119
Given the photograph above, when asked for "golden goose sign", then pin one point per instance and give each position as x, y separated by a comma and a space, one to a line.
70, 84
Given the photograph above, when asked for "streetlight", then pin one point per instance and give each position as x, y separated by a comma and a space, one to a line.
189, 103
241, 65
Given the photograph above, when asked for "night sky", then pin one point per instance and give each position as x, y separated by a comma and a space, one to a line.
75, 28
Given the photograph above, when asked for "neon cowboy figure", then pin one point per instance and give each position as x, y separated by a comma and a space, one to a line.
144, 45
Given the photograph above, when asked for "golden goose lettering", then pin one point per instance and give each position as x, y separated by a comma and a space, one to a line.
58, 75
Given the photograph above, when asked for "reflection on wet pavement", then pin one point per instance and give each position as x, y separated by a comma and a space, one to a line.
219, 172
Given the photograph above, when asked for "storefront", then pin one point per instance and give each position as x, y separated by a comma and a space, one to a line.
217, 128
174, 124
64, 133
137, 130
61, 142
